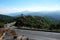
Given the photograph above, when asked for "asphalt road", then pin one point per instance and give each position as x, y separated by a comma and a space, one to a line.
38, 35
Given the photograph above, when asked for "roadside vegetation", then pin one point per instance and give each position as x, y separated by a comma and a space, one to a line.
31, 22
4, 19
37, 23
1, 25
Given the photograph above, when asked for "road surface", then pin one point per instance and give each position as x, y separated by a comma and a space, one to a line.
9, 24
38, 35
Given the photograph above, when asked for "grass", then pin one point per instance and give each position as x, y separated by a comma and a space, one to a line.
36, 29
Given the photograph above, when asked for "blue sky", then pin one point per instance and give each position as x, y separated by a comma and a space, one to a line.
11, 6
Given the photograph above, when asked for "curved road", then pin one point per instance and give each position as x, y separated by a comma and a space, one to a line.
38, 35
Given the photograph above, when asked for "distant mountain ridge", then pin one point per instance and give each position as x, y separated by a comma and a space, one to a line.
54, 15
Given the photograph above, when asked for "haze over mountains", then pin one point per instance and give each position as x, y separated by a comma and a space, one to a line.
54, 15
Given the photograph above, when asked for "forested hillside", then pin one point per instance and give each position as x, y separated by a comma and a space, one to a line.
5, 19
37, 22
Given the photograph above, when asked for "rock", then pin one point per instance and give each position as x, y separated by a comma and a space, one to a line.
1, 38
8, 36
22, 37
25, 38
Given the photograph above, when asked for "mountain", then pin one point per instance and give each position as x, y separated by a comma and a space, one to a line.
19, 13
32, 21
14, 14
6, 19
37, 23
54, 15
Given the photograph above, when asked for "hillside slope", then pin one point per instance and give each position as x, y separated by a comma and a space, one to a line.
32, 21
6, 19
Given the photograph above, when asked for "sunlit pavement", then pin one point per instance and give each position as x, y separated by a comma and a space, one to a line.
38, 35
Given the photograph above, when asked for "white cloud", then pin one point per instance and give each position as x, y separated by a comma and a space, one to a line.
43, 8
12, 10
